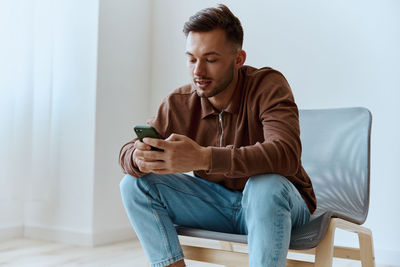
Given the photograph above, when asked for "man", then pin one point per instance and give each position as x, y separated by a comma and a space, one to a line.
237, 128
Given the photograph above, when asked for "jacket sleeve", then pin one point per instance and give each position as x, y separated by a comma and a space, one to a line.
280, 151
126, 160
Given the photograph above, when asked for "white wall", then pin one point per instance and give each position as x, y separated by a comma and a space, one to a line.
123, 94
334, 54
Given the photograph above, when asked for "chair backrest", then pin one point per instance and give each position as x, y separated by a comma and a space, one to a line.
336, 155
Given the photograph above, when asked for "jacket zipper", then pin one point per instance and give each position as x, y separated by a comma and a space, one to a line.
222, 128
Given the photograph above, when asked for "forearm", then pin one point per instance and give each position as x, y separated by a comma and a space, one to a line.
267, 157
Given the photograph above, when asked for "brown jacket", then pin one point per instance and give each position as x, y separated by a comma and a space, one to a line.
258, 132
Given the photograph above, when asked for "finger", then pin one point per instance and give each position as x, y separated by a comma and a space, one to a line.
142, 146
139, 164
142, 166
138, 154
149, 155
158, 143
147, 166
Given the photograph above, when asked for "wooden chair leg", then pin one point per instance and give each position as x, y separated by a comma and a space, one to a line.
366, 249
226, 245
324, 250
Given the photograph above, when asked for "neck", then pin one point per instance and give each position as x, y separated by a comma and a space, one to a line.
221, 100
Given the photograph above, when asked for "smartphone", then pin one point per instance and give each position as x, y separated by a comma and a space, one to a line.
147, 131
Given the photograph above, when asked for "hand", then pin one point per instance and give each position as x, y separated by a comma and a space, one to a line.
139, 146
181, 154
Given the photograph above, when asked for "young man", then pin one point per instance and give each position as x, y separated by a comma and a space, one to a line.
237, 128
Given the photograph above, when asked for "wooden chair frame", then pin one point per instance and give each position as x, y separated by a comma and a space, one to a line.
324, 252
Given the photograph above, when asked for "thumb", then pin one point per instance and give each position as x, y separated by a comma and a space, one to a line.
175, 137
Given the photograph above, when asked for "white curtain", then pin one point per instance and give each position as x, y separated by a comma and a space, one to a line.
16, 103
47, 107
27, 112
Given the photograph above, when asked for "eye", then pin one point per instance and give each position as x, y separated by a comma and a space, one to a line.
211, 60
192, 60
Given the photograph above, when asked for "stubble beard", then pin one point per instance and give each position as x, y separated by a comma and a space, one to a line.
220, 87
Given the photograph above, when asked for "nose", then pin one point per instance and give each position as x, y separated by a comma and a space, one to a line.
199, 69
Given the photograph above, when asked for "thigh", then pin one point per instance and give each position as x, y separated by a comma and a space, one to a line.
192, 201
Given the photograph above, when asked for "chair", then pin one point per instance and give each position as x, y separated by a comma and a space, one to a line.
336, 155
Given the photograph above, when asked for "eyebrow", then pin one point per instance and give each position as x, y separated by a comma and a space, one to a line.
212, 53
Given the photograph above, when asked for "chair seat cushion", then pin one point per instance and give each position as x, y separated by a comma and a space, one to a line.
193, 232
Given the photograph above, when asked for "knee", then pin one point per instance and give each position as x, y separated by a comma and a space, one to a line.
266, 192
128, 185
135, 187
265, 183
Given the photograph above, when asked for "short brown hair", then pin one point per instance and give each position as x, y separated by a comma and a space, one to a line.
212, 18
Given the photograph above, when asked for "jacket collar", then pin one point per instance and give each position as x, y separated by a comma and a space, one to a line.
233, 106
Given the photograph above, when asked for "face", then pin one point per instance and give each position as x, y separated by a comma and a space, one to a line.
212, 62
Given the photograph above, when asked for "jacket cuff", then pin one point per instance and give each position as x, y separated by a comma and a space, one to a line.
220, 160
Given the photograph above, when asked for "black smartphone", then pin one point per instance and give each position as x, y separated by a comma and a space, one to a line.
147, 131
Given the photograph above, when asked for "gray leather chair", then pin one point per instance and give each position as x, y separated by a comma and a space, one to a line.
336, 155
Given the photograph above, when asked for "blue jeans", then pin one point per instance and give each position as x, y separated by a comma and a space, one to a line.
266, 211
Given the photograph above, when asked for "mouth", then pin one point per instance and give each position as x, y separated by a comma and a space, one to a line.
202, 84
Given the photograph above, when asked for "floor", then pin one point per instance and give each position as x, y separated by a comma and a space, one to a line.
36, 253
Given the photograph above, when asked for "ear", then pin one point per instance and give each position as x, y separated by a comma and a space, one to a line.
240, 58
